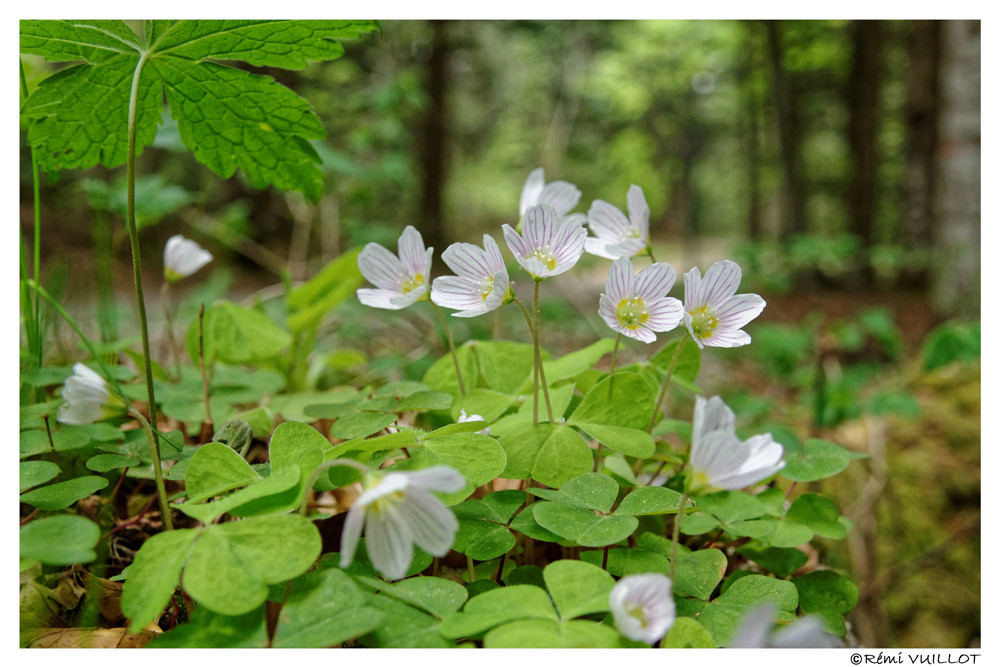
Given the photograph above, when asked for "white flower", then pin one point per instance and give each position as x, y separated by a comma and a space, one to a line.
643, 607
719, 459
473, 418
549, 246
182, 257
560, 195
637, 305
713, 312
616, 235
398, 511
401, 280
481, 280
86, 398
806, 632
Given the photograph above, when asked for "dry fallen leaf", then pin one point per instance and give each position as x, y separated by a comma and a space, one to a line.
84, 638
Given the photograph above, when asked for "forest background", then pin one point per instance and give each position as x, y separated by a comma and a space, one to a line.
837, 161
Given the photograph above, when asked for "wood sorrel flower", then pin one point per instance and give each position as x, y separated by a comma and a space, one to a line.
398, 511
87, 399
643, 607
481, 280
560, 195
713, 312
754, 631
719, 459
462, 418
401, 280
637, 305
182, 257
549, 246
616, 235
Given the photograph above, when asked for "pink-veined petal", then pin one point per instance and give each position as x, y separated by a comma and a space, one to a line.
638, 210
437, 478
532, 189
492, 256
432, 524
739, 310
712, 415
352, 531
569, 245
621, 281
664, 314
600, 247
726, 338
642, 333
607, 221
380, 267
467, 260
655, 281
692, 289
561, 196
379, 298
404, 299
455, 293
539, 226
626, 248
720, 282
411, 252
389, 542
516, 243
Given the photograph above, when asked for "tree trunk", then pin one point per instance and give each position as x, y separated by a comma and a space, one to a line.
863, 103
923, 50
956, 288
788, 135
433, 144
750, 130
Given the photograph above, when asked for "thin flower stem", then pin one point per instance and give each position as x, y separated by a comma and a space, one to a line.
677, 533
169, 321
614, 362
154, 450
451, 346
666, 382
538, 359
201, 361
133, 234
471, 569
649, 251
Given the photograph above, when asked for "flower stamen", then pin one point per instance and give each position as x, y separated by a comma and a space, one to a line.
703, 322
545, 256
632, 312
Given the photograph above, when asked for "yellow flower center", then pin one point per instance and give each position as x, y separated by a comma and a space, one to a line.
632, 312
633, 234
413, 283
486, 288
703, 322
385, 502
545, 256
637, 612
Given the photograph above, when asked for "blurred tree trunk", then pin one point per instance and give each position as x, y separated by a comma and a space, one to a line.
956, 289
923, 52
432, 153
867, 39
750, 129
789, 135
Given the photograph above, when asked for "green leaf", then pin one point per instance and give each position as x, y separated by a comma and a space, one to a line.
819, 513
647, 500
820, 459
89, 41
215, 469
237, 335
525, 523
498, 606
578, 588
482, 533
404, 626
335, 283
829, 595
731, 506
325, 608
687, 633
628, 441
544, 633
441, 374
505, 365
106, 462
486, 403
592, 491
33, 473
722, 616
206, 629
688, 363
63, 494
230, 565
59, 540
699, 572
620, 470
425, 400
698, 523
357, 424
550, 454
780, 561
583, 526
154, 574
440, 597
572, 364
271, 490
479, 458
628, 403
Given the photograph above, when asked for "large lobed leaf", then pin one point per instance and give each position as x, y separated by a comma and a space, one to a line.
228, 118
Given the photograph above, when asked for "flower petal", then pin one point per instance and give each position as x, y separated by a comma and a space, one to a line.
456, 293
621, 281
638, 211
352, 531
380, 267
432, 525
655, 281
664, 314
600, 247
378, 298
532, 189
411, 252
607, 221
561, 196
726, 338
389, 542
739, 310
692, 290
516, 243
492, 256
467, 260
437, 478
721, 282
